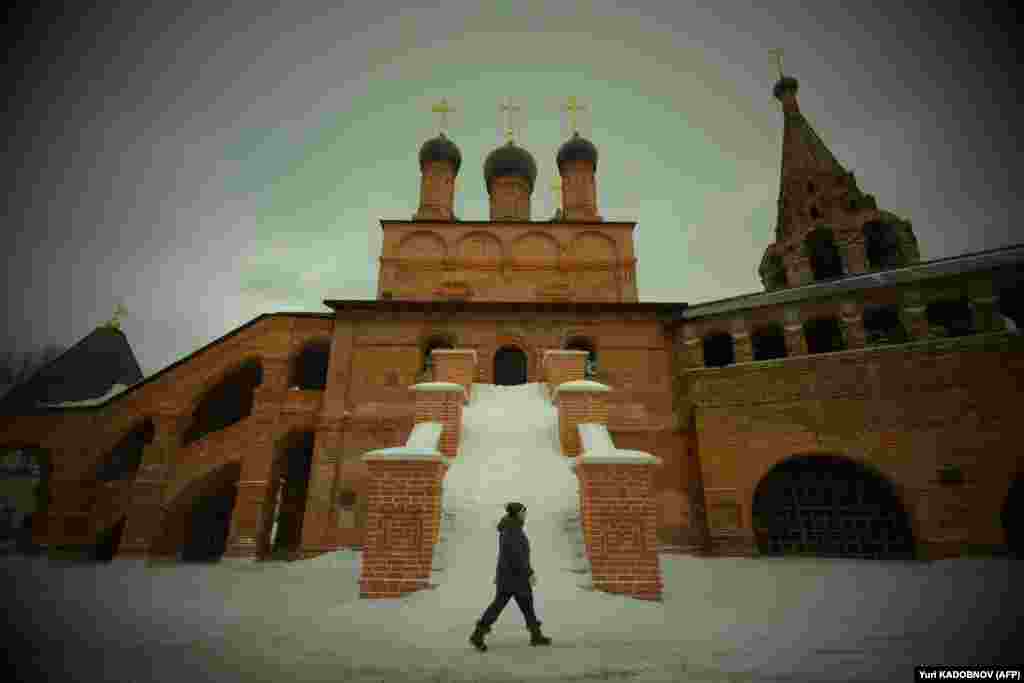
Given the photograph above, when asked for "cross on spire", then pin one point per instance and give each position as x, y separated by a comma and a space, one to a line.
443, 108
572, 108
777, 53
507, 108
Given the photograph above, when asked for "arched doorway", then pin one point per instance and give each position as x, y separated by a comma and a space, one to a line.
829, 506
1013, 510
108, 541
510, 366
196, 524
291, 486
25, 471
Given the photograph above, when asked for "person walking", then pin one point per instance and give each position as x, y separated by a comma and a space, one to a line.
514, 577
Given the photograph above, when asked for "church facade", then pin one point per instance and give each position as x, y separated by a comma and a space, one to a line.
862, 405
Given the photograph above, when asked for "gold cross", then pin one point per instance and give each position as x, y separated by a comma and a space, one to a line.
115, 322
572, 107
443, 108
507, 108
777, 53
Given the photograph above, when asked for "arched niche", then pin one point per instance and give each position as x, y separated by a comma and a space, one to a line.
309, 368
422, 245
511, 365
823, 254
824, 335
882, 245
225, 403
830, 506
719, 349
122, 461
197, 521
768, 342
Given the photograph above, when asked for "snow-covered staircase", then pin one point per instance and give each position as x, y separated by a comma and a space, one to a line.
509, 451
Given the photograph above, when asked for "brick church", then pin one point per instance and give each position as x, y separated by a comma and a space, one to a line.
863, 405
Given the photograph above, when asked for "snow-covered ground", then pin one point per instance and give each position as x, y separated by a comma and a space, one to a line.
722, 619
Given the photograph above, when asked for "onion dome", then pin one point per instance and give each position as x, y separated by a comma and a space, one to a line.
785, 85
440, 149
577, 148
510, 160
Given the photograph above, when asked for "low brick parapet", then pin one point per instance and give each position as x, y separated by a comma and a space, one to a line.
578, 402
618, 516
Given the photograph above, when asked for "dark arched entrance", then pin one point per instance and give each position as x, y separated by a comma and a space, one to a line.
291, 486
829, 506
510, 366
1013, 510
209, 517
108, 541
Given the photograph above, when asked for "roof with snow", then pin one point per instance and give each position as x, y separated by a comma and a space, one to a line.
88, 370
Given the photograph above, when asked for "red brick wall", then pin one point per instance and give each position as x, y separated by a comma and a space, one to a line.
620, 519
444, 407
905, 410
575, 408
403, 513
455, 365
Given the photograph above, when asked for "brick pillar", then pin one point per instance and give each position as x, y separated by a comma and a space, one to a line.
913, 314
317, 519
620, 522
855, 258
403, 508
254, 503
851, 317
441, 402
741, 342
796, 343
578, 402
985, 306
562, 365
457, 366
145, 512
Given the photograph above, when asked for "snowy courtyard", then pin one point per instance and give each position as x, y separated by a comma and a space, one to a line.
722, 619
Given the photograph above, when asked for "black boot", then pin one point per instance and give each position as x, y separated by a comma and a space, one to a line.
478, 637
536, 637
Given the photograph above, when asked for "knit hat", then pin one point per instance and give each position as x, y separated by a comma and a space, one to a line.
514, 508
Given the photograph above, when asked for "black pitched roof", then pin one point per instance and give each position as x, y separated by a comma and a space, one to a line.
86, 370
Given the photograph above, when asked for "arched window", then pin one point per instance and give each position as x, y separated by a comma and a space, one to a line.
123, 461
310, 369
882, 325
768, 342
718, 350
229, 401
823, 254
882, 246
950, 317
823, 335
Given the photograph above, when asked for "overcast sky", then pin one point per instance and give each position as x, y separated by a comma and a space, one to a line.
202, 167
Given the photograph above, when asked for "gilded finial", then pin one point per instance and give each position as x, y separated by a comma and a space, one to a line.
572, 108
443, 108
115, 322
777, 53
507, 109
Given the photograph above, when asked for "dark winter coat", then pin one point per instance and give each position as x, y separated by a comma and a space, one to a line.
513, 573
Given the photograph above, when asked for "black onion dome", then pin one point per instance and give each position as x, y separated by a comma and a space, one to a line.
577, 148
513, 160
784, 85
440, 149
